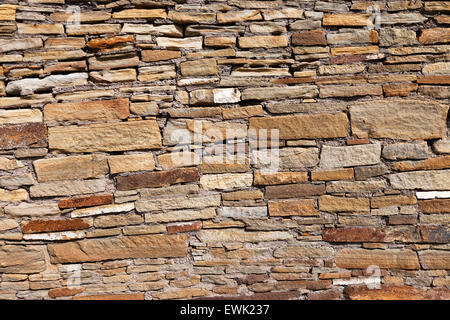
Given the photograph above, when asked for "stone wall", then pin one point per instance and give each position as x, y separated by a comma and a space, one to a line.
99, 99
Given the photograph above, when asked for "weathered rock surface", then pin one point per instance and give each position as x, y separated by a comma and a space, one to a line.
150, 246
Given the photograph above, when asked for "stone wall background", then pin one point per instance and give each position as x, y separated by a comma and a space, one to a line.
93, 205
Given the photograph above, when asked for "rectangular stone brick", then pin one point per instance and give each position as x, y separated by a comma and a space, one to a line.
428, 164
146, 246
131, 162
122, 136
34, 28
264, 179
90, 201
21, 260
422, 180
140, 14
226, 181
342, 204
23, 135
180, 215
350, 91
330, 175
384, 259
302, 207
335, 157
200, 67
356, 186
263, 41
101, 110
157, 179
278, 93
178, 202
345, 20
435, 35
395, 292
37, 226
353, 234
62, 168
304, 126
294, 191
184, 227
435, 206
435, 259
387, 201
67, 188
159, 55
238, 235
309, 38
7, 12
408, 119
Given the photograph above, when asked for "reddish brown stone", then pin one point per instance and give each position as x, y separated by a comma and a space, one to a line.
294, 191
354, 142
395, 292
309, 38
36, 226
157, 179
304, 284
353, 234
252, 279
433, 79
124, 296
435, 234
108, 42
82, 202
23, 135
332, 294
64, 292
435, 35
399, 89
435, 206
184, 227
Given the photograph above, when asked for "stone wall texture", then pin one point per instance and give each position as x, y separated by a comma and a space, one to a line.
94, 96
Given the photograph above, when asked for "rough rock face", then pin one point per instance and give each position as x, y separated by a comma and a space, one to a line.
191, 149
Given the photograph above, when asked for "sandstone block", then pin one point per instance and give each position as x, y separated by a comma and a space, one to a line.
294, 191
341, 204
422, 180
67, 188
157, 179
123, 136
389, 258
237, 235
146, 246
178, 202
408, 119
335, 157
131, 162
21, 260
304, 126
263, 41
303, 207
226, 181
201, 67
91, 166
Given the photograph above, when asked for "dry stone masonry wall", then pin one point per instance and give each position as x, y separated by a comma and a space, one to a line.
99, 101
